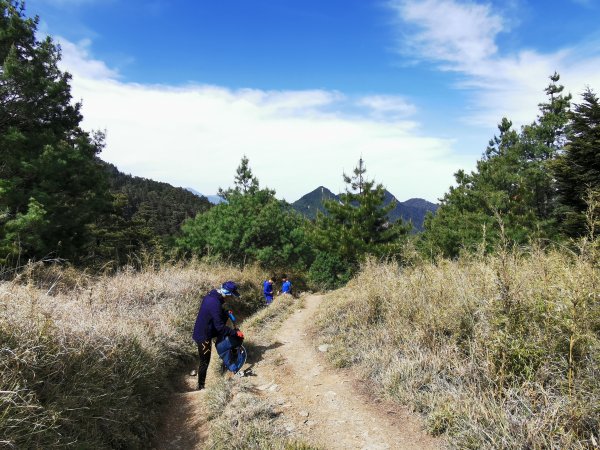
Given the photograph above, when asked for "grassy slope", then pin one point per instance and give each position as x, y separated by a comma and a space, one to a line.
495, 352
481, 347
86, 362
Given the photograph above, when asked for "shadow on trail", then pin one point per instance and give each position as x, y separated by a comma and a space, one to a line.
184, 417
256, 352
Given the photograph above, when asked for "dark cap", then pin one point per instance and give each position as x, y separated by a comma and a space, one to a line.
230, 288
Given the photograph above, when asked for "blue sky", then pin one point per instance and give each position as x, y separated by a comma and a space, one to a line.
304, 88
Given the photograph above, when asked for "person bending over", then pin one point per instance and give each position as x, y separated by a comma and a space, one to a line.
211, 323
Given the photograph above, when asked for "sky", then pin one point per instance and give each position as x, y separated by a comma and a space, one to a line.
305, 88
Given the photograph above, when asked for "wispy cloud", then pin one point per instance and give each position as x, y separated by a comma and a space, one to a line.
460, 34
77, 56
296, 140
462, 37
388, 106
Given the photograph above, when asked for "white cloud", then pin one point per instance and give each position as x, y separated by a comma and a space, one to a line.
77, 56
457, 33
388, 106
194, 136
461, 36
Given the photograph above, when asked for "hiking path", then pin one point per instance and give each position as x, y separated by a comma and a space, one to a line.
325, 407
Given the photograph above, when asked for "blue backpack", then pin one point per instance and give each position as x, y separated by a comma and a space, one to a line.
232, 352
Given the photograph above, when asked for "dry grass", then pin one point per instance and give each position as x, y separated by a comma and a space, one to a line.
496, 352
85, 361
240, 417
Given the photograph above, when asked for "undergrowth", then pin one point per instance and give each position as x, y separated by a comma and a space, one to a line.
496, 352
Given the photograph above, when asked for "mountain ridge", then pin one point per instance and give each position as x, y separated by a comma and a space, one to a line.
412, 210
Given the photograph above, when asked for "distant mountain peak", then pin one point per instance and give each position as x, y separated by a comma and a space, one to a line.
309, 204
214, 199
413, 210
421, 203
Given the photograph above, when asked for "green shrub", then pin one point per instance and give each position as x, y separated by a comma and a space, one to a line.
329, 271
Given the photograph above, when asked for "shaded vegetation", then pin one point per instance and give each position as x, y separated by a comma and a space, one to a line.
52, 187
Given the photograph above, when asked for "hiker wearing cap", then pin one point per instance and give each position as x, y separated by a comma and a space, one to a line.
211, 323
268, 290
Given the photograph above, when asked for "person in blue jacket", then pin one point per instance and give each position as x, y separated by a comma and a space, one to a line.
268, 290
286, 285
211, 323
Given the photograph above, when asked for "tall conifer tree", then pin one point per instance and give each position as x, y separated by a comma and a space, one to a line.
52, 188
355, 226
578, 168
512, 186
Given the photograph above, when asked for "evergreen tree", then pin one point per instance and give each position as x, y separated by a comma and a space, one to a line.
252, 226
52, 188
512, 186
577, 170
354, 227
357, 180
245, 183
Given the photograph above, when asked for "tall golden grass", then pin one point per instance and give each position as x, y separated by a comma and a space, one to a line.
85, 362
496, 352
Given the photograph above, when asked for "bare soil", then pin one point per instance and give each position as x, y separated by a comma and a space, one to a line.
318, 405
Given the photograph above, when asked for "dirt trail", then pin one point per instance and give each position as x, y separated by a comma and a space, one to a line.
325, 406
321, 406
184, 420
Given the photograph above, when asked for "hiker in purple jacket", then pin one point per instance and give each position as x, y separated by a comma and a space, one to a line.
210, 324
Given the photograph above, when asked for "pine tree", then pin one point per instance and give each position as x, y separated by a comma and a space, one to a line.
355, 226
357, 181
52, 188
245, 183
512, 186
252, 226
577, 170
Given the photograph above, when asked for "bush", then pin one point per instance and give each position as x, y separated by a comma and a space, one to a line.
328, 271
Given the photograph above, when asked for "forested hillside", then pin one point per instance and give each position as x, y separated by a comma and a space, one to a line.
159, 206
